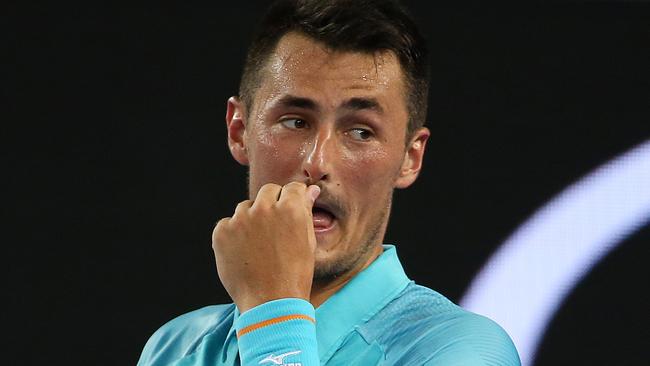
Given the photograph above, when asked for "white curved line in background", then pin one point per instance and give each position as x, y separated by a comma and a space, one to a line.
525, 281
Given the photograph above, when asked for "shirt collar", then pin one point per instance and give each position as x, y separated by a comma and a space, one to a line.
230, 350
354, 304
360, 299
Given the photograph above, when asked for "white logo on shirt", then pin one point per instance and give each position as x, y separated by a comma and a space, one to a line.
279, 359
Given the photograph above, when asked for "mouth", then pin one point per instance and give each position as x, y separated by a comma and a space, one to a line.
323, 217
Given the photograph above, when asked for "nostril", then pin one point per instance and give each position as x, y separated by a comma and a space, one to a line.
315, 175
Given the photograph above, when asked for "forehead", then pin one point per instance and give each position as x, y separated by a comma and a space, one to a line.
302, 66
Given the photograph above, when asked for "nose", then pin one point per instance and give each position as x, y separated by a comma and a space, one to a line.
321, 151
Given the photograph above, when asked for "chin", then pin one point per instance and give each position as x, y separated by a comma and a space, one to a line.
327, 271
327, 244
332, 264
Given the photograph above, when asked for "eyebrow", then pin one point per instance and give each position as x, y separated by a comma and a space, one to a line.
359, 104
355, 104
291, 101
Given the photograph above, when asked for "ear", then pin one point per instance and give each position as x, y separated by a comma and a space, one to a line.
413, 156
236, 125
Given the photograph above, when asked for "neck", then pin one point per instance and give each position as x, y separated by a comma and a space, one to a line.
323, 290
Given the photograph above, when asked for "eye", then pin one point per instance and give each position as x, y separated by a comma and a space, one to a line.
294, 123
360, 134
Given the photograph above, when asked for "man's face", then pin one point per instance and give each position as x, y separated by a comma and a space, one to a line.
338, 120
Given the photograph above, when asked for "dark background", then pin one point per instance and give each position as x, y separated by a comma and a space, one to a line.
115, 164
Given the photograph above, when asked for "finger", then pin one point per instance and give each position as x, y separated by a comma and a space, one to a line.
292, 192
267, 195
299, 192
221, 222
313, 191
242, 207
218, 230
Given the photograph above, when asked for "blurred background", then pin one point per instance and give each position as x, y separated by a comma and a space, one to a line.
115, 168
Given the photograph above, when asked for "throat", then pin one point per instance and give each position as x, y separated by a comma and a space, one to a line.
323, 290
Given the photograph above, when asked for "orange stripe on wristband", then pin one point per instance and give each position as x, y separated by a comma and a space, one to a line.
268, 322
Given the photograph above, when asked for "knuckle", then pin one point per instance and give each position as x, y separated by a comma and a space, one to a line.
221, 225
219, 230
270, 186
295, 185
243, 205
261, 208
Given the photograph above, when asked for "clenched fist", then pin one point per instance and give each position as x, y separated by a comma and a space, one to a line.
265, 251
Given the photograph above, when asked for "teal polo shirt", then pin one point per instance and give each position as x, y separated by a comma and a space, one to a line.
380, 317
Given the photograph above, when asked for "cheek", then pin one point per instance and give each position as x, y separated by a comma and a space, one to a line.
272, 159
264, 145
370, 171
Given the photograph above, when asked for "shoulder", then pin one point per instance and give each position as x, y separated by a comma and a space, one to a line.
422, 326
467, 339
181, 335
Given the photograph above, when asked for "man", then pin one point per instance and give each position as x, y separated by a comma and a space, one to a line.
329, 121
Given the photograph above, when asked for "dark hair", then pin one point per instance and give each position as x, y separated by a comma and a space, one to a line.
367, 26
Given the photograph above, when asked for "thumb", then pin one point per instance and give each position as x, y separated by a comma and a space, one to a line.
313, 191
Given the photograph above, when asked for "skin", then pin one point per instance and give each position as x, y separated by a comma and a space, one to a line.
327, 126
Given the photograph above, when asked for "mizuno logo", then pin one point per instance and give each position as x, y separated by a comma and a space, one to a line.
279, 359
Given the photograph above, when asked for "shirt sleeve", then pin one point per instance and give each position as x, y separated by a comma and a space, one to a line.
278, 332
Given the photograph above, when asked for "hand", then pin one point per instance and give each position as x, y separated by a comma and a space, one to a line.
265, 251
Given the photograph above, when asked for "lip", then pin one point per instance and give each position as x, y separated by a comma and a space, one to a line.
326, 206
325, 230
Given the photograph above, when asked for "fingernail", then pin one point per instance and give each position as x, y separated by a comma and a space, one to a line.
315, 191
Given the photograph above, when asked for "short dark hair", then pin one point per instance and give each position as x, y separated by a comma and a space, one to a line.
367, 26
